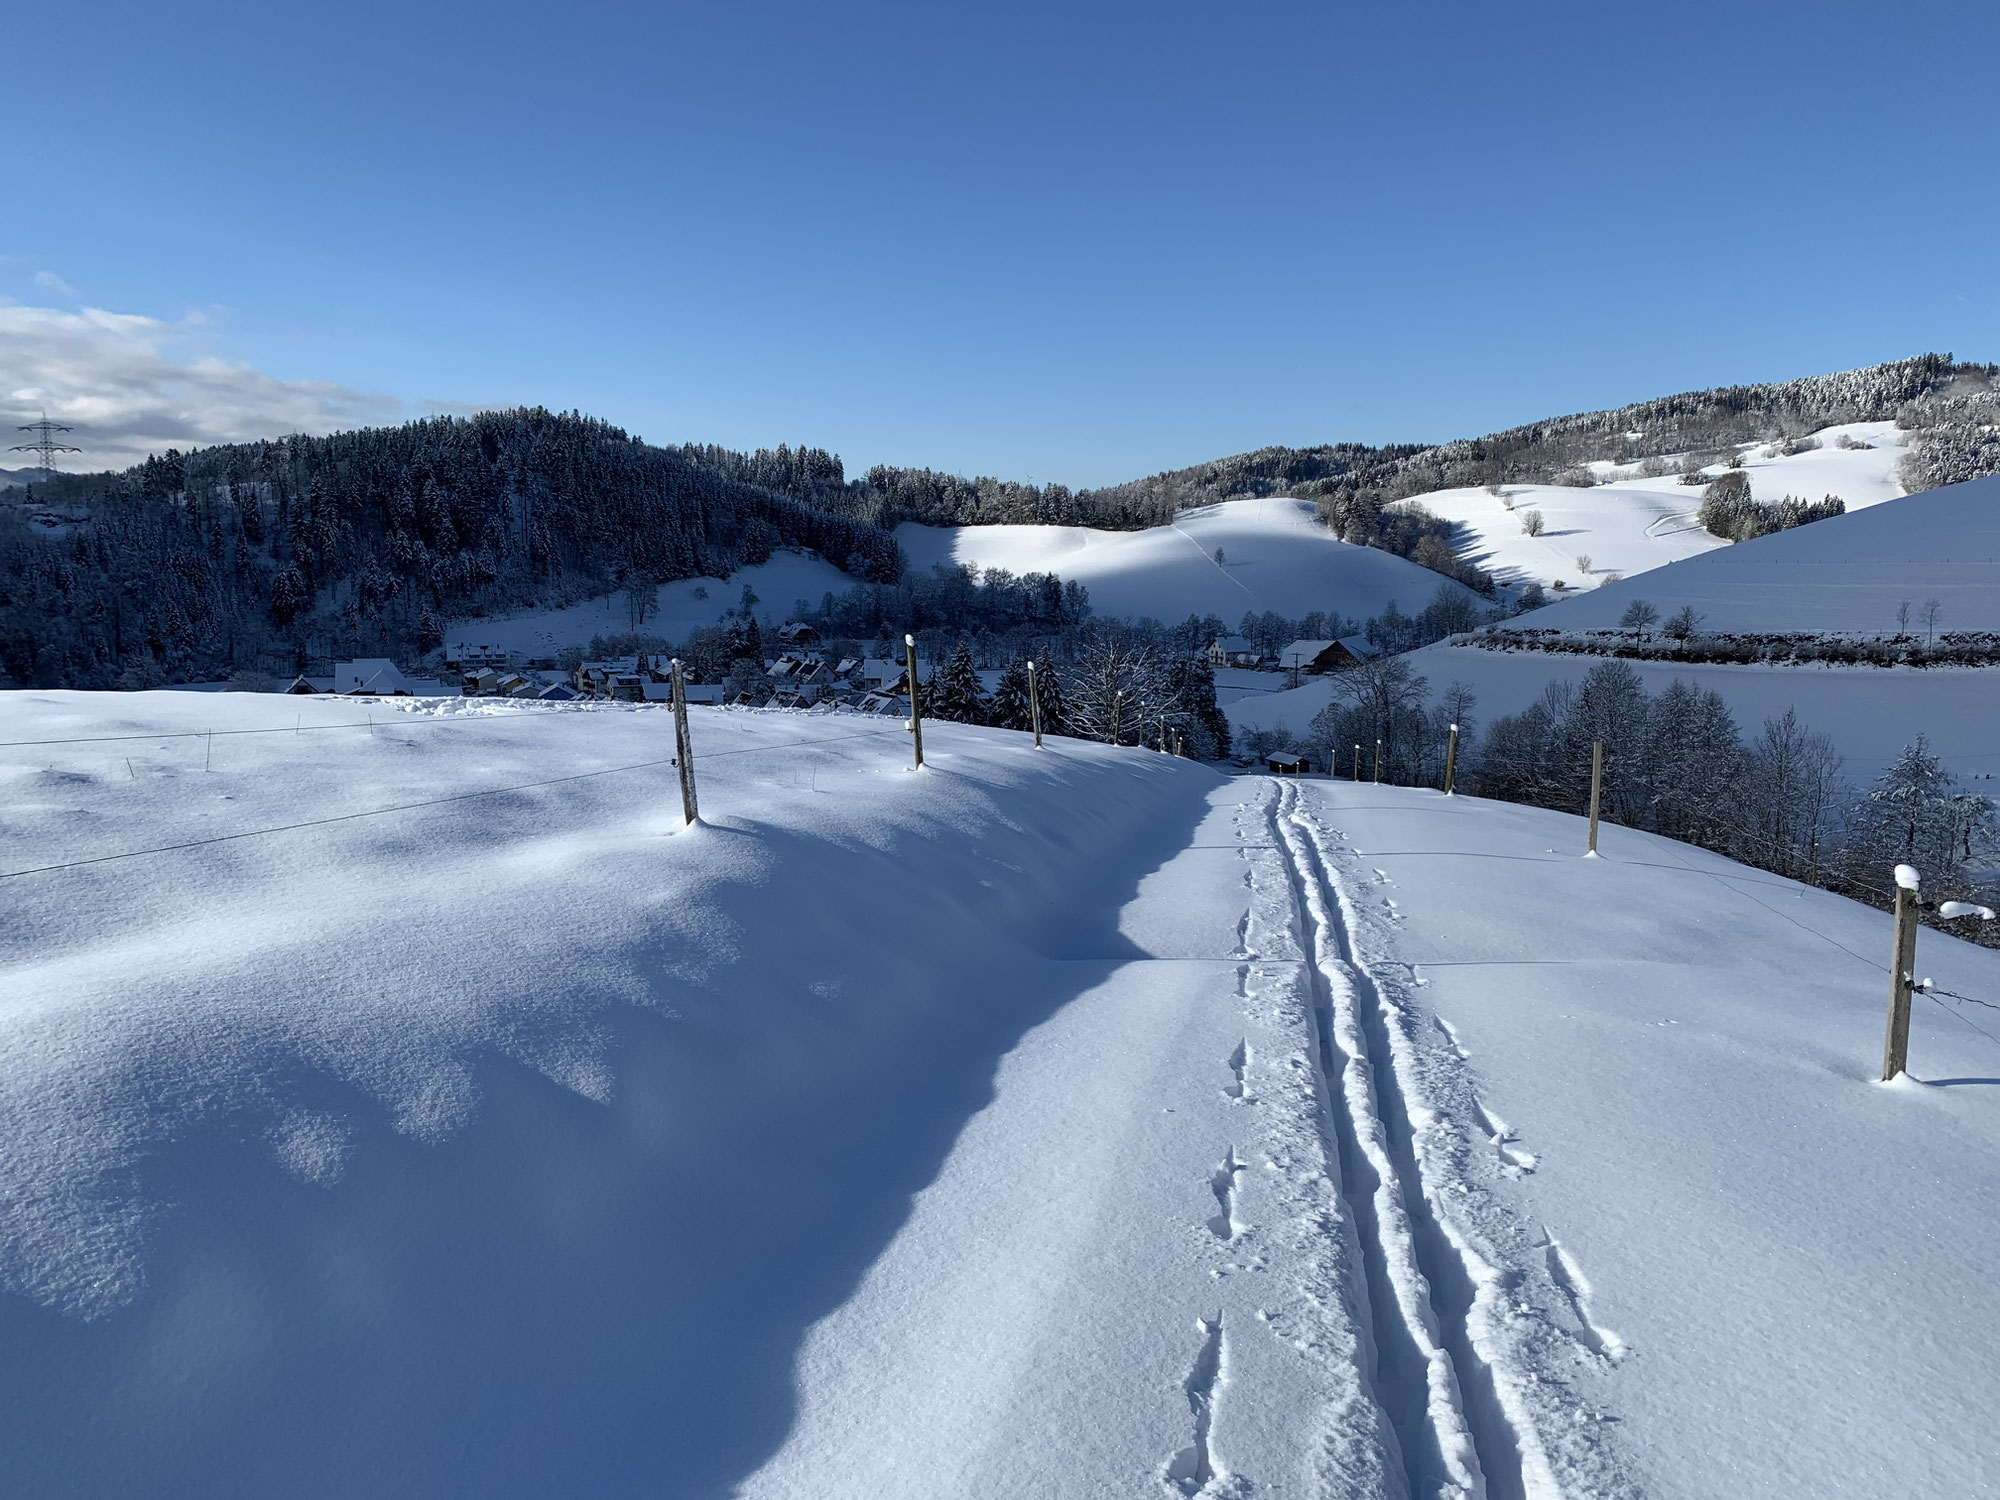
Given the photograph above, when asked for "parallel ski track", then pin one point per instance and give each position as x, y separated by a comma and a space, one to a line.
1438, 1394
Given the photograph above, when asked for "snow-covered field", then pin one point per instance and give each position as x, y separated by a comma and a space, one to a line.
682, 607
1275, 557
1069, 1123
1848, 573
1844, 575
1631, 523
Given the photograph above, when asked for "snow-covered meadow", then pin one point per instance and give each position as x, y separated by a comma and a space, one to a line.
1848, 575
447, 1117
1275, 556
1632, 522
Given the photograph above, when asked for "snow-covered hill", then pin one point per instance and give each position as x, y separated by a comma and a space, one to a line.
679, 609
1276, 556
431, 1112
1631, 522
1846, 575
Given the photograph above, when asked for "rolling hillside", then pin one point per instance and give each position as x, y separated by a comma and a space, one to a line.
1275, 556
1632, 521
1846, 575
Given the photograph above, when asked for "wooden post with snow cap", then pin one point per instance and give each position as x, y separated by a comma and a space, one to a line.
1902, 973
916, 724
1378, 763
1450, 759
1596, 792
1357, 764
1034, 705
683, 746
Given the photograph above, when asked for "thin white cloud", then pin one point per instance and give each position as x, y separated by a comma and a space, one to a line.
131, 385
52, 282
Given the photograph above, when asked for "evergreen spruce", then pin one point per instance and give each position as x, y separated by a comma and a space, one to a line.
954, 693
1008, 708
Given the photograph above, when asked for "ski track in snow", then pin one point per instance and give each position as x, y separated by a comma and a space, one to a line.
1456, 1363
1481, 1321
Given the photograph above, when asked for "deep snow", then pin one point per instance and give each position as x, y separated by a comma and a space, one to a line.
1845, 575
1063, 1123
1630, 523
1276, 556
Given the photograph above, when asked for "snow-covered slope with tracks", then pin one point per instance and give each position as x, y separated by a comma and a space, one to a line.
400, 1100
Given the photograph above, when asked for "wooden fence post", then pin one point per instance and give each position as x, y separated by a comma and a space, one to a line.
916, 708
1034, 706
1357, 764
1902, 975
1596, 788
683, 746
1378, 763
1450, 759
1117, 717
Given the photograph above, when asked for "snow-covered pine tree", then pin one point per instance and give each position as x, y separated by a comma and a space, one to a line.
1008, 707
954, 693
1055, 706
1915, 814
1192, 682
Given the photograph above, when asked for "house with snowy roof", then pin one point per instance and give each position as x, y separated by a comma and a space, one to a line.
1314, 657
1231, 651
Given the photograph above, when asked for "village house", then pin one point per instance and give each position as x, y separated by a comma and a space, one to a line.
1312, 658
1232, 651
464, 658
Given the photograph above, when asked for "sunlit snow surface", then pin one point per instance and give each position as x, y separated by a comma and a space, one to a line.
1275, 556
1846, 575
1069, 1123
1630, 524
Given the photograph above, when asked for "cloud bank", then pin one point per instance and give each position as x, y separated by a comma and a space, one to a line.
132, 385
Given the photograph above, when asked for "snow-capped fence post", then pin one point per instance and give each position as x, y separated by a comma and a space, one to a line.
1902, 974
683, 746
916, 725
1596, 790
1357, 765
1034, 706
1450, 759
1378, 763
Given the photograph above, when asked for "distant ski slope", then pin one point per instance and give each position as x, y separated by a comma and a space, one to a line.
1276, 556
1632, 523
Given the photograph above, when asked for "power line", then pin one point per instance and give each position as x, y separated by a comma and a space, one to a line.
45, 445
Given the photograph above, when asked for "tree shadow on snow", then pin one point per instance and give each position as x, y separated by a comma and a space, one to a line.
565, 1297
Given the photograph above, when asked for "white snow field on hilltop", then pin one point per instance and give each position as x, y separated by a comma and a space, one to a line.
433, 1112
679, 608
1845, 576
1275, 556
1631, 522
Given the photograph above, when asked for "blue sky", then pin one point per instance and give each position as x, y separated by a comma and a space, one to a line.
1075, 242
